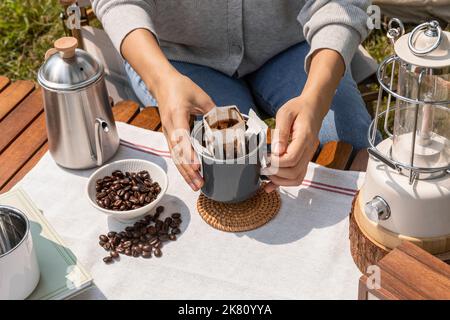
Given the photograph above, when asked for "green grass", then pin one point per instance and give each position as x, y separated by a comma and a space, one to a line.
27, 29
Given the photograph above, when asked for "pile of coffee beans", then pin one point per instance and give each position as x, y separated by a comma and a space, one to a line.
144, 238
126, 191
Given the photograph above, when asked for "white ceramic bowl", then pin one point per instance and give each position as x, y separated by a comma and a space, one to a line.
131, 165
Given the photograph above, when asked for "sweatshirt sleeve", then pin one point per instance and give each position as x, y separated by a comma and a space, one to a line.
340, 25
120, 17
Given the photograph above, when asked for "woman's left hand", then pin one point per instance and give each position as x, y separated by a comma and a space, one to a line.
294, 142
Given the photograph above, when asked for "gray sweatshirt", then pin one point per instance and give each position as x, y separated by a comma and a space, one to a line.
238, 36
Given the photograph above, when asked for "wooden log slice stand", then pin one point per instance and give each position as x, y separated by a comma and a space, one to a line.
367, 251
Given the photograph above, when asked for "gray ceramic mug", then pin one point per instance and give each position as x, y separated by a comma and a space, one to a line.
230, 181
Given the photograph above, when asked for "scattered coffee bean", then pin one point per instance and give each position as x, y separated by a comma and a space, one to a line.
157, 253
114, 254
107, 259
146, 237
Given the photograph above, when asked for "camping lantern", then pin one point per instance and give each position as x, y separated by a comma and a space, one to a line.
406, 192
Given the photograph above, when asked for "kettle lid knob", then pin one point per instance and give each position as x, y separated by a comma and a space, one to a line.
66, 46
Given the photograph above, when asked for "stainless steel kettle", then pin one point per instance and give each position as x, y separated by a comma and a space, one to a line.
80, 124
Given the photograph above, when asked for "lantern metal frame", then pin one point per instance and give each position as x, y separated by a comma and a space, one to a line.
414, 172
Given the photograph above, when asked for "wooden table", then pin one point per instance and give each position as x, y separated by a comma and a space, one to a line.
23, 137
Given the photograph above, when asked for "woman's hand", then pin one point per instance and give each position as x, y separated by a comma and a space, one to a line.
302, 117
178, 98
293, 142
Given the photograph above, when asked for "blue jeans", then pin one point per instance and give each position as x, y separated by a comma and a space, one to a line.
268, 88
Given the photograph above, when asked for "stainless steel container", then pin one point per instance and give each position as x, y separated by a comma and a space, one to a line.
19, 269
80, 124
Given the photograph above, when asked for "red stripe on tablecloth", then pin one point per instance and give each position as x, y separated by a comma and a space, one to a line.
328, 189
146, 151
330, 186
144, 147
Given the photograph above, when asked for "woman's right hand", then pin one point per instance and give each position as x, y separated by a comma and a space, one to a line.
178, 98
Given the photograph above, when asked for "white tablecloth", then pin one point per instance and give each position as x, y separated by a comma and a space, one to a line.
303, 253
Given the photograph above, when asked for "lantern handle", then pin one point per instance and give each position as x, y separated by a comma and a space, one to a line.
433, 29
395, 32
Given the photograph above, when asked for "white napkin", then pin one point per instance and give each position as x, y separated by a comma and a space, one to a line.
303, 253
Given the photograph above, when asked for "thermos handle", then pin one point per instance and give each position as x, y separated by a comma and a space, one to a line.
100, 127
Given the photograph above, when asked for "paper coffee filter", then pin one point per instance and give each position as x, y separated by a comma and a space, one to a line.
221, 144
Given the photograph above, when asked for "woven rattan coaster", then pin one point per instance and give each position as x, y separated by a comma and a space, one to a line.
243, 216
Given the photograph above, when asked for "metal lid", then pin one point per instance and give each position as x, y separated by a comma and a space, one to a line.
68, 68
426, 46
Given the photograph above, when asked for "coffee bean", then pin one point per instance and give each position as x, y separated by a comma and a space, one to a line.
128, 252
176, 215
176, 231
158, 253
120, 249
159, 209
151, 230
153, 241
146, 254
158, 225
172, 237
136, 234
174, 224
107, 259
148, 236
157, 244
112, 234
147, 247
164, 237
135, 254
114, 254
127, 244
116, 241
134, 200
101, 195
101, 243
103, 238
106, 202
129, 228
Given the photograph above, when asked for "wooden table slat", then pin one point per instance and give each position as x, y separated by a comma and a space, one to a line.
26, 168
19, 118
427, 282
335, 154
22, 149
148, 118
13, 95
360, 161
4, 81
125, 111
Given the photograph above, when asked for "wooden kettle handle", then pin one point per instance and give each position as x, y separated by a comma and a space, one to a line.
66, 46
